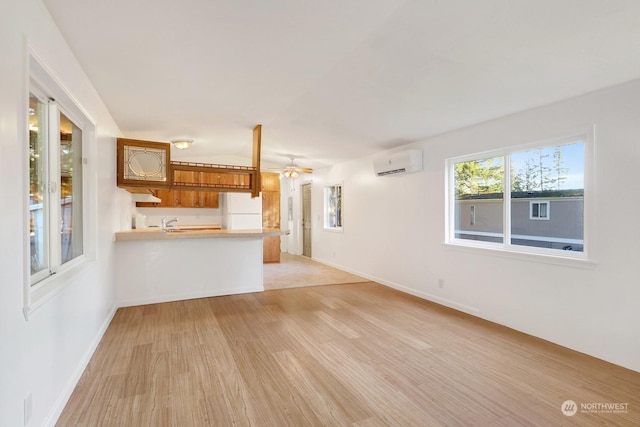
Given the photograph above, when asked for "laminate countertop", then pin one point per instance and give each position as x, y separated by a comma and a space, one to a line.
195, 233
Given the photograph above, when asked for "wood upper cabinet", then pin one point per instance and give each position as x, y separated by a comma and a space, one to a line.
186, 198
209, 199
146, 165
270, 199
270, 181
183, 199
143, 164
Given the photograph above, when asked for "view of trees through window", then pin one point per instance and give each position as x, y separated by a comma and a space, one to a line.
479, 176
552, 176
542, 169
546, 169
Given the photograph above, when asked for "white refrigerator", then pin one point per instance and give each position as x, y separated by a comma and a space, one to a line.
241, 211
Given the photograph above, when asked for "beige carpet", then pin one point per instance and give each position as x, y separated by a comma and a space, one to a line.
295, 271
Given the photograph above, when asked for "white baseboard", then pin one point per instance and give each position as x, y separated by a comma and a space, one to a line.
424, 295
170, 298
62, 400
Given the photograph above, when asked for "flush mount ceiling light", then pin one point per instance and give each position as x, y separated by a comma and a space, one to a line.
182, 143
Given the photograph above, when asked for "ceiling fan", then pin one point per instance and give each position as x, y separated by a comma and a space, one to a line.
292, 170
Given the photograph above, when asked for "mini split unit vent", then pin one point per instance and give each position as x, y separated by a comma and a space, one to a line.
398, 163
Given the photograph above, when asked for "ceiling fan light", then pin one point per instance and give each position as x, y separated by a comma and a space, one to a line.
182, 144
294, 173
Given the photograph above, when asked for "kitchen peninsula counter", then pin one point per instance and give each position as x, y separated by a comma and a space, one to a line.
153, 265
195, 233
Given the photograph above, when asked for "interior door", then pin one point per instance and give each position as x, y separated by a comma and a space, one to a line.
306, 220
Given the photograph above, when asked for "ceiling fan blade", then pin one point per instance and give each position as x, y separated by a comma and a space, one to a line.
304, 170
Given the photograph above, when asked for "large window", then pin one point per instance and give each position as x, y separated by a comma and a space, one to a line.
333, 207
59, 201
504, 200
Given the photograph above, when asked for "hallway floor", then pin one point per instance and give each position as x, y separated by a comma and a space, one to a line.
295, 271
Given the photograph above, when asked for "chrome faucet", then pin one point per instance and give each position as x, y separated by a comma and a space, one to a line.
164, 222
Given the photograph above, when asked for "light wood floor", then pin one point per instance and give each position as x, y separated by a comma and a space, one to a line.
346, 355
295, 271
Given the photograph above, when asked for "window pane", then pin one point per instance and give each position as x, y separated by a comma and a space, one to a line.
38, 219
543, 210
70, 189
333, 206
555, 174
338, 206
479, 199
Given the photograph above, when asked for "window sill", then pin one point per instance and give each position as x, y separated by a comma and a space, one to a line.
524, 256
333, 230
38, 295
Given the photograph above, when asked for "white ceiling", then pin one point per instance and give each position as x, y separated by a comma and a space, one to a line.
332, 80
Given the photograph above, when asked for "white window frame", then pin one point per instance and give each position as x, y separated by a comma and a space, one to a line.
326, 210
546, 203
583, 259
42, 287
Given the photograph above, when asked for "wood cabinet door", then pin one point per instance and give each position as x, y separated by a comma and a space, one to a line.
188, 199
270, 181
183, 199
270, 209
209, 199
171, 199
271, 219
271, 249
143, 164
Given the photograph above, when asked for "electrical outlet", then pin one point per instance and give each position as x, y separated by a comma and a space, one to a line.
28, 408
441, 283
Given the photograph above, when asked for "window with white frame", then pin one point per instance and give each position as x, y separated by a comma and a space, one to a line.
503, 191
59, 226
55, 187
333, 207
539, 210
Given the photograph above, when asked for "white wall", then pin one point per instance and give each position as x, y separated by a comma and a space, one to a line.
394, 232
46, 354
186, 216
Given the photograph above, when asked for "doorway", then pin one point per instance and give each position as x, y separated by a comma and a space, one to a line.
306, 220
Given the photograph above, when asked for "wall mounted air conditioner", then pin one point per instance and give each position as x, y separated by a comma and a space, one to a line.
397, 163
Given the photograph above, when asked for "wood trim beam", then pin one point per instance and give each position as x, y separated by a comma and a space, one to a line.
257, 142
